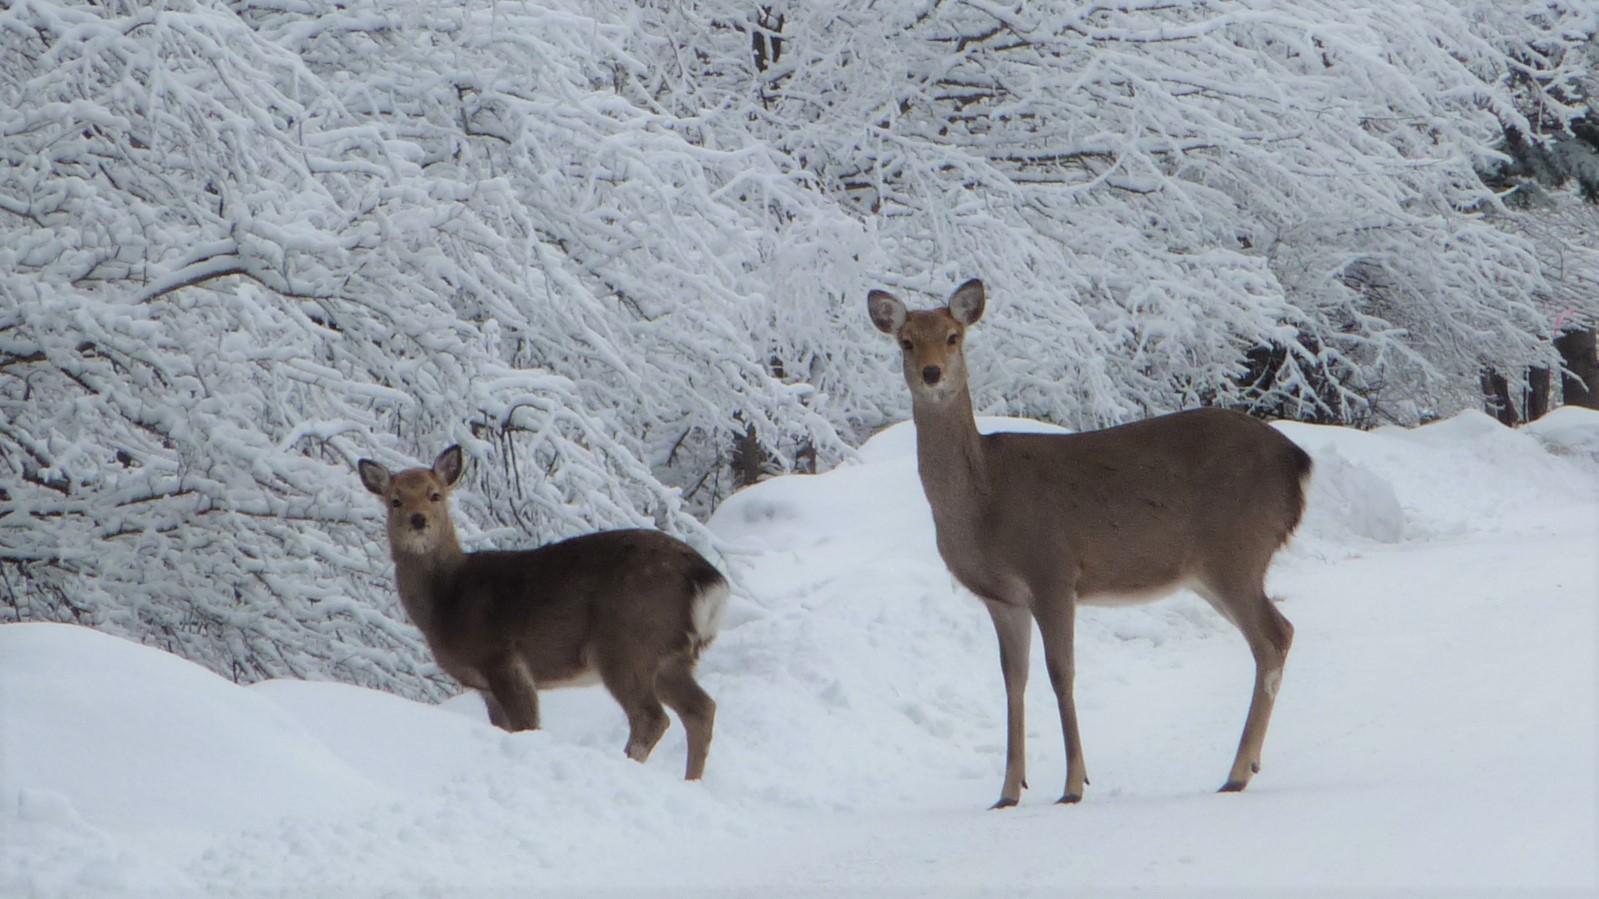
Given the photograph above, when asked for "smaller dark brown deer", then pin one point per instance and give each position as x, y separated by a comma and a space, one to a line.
631, 609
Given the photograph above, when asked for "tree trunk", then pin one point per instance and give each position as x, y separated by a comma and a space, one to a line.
1537, 404
1579, 383
1496, 398
747, 459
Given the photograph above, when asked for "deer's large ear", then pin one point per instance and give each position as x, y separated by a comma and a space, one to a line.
448, 465
374, 477
967, 302
888, 313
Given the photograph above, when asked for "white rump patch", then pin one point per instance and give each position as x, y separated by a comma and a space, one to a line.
706, 613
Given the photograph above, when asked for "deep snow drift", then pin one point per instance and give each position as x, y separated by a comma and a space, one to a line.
1436, 730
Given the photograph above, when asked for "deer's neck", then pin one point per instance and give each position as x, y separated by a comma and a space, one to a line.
949, 456
422, 576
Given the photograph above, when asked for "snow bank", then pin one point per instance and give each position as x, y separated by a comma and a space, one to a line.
1568, 431
130, 736
128, 769
1446, 478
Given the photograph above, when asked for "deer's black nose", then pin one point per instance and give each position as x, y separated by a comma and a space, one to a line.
932, 373
419, 521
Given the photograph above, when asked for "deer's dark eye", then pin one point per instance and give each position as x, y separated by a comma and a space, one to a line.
395, 503
953, 339
435, 497
906, 345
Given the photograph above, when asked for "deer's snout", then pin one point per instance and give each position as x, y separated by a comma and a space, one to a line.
931, 374
419, 521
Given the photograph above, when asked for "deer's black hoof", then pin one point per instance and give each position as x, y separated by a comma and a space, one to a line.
1004, 803
1070, 799
1232, 786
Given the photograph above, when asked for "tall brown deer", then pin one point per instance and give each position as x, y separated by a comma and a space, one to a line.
632, 609
1036, 523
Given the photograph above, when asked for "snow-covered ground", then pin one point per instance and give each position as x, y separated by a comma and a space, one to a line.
1435, 733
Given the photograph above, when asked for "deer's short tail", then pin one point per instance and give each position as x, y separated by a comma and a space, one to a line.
705, 612
1298, 489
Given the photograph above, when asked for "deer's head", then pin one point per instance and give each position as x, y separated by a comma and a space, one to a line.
418, 500
932, 341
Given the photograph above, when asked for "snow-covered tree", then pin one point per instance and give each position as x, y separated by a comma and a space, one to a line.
1158, 188
1549, 178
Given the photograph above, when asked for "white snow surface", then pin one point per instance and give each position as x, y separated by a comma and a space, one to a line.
1435, 734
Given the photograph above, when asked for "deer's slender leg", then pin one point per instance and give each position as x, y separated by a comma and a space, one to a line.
1269, 636
679, 690
1013, 626
514, 693
632, 682
496, 713
1057, 620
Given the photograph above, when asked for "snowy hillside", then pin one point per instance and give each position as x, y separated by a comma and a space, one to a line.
1435, 734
